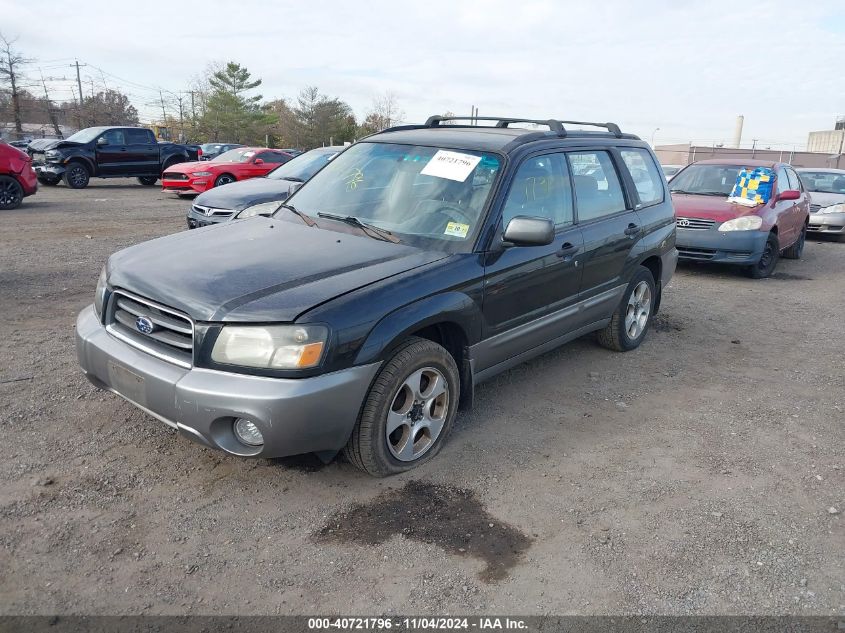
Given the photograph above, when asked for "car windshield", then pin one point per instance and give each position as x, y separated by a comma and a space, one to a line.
303, 166
425, 196
240, 155
706, 179
85, 136
824, 181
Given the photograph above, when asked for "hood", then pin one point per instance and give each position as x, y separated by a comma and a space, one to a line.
244, 193
181, 168
258, 270
42, 145
826, 199
710, 207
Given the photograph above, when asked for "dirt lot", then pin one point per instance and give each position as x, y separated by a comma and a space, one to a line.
699, 474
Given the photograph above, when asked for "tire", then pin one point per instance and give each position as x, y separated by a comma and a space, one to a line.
629, 324
224, 179
795, 251
403, 393
765, 266
148, 181
76, 176
11, 193
49, 182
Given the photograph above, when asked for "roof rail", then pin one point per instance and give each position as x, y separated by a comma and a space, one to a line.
554, 125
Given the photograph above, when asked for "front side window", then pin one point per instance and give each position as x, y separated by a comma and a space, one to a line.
272, 157
598, 192
114, 137
794, 181
240, 155
783, 180
426, 196
644, 172
541, 188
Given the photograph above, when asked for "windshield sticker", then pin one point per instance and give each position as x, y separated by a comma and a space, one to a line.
451, 165
456, 229
753, 186
354, 179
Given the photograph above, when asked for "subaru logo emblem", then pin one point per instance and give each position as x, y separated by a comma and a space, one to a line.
143, 325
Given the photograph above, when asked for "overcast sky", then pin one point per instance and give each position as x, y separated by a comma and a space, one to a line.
686, 67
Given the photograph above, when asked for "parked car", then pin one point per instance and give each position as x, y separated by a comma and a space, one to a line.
22, 144
106, 152
17, 178
827, 204
236, 164
713, 229
293, 152
257, 196
671, 170
419, 262
210, 151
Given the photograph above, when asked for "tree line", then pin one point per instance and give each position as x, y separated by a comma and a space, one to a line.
222, 104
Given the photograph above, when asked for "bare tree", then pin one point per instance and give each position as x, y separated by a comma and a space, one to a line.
11, 63
386, 111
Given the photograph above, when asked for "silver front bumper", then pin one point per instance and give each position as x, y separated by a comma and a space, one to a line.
827, 223
294, 415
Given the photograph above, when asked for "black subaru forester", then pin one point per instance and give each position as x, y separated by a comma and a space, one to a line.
360, 314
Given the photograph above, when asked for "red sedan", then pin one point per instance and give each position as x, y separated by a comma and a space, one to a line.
241, 163
17, 178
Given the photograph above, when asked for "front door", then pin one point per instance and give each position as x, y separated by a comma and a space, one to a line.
786, 210
112, 155
530, 292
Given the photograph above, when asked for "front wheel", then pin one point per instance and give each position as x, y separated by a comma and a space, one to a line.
77, 176
765, 266
408, 411
148, 181
224, 179
630, 322
11, 193
796, 250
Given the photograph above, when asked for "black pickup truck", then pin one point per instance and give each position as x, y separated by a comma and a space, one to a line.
107, 152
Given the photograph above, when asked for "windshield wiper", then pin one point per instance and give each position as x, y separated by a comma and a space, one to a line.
699, 193
370, 229
304, 216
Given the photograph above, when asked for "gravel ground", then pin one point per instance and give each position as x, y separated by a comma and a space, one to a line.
700, 474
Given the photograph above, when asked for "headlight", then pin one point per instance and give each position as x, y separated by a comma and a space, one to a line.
265, 208
200, 173
836, 208
745, 223
100, 293
270, 347
51, 154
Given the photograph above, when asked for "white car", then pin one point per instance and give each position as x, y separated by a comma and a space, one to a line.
671, 170
827, 204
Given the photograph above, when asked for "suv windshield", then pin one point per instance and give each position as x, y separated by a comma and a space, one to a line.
426, 196
824, 181
706, 179
240, 155
303, 166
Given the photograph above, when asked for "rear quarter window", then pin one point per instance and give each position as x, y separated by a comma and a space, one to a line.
645, 174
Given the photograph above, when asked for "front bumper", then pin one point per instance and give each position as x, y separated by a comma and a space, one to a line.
49, 169
726, 247
191, 185
827, 223
294, 415
197, 219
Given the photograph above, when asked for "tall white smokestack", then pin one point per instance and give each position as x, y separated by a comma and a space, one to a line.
738, 130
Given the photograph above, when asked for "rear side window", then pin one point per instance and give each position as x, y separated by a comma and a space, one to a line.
137, 137
597, 189
644, 172
540, 188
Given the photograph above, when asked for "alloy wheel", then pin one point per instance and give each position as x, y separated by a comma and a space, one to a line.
417, 414
638, 310
10, 193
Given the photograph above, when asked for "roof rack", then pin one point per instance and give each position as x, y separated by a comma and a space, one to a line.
554, 125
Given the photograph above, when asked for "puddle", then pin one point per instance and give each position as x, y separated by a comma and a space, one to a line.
451, 518
788, 276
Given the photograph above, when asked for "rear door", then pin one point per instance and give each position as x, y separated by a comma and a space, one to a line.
610, 226
530, 292
112, 156
142, 151
802, 205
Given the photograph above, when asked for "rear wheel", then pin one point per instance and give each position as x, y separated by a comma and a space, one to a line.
11, 193
148, 180
77, 176
630, 322
765, 266
795, 251
224, 179
408, 411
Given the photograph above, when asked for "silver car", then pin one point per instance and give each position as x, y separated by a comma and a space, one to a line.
827, 192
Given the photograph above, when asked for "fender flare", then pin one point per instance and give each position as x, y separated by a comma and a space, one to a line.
86, 162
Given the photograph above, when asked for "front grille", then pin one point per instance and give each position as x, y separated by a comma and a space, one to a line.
172, 335
212, 212
38, 157
696, 253
814, 227
815, 207
694, 224
172, 175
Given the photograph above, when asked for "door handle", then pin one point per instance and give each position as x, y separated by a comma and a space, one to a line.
632, 229
567, 250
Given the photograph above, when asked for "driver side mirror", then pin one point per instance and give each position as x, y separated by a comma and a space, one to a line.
789, 194
259, 161
528, 231
102, 141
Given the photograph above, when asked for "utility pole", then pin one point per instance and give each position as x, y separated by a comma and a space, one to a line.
50, 111
753, 147
164, 115
181, 120
79, 85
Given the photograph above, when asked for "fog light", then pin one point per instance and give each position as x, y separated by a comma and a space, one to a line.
248, 433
